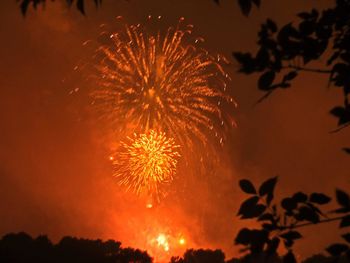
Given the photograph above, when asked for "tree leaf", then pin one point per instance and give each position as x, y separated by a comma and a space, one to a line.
271, 25
308, 214
319, 198
268, 186
246, 61
345, 222
300, 197
337, 111
337, 249
243, 237
266, 80
343, 114
290, 76
257, 2
346, 237
269, 198
24, 6
347, 150
247, 186
250, 208
343, 198
254, 211
80, 6
289, 204
246, 6
315, 208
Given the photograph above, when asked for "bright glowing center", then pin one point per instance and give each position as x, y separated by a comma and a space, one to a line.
151, 92
162, 241
147, 162
182, 241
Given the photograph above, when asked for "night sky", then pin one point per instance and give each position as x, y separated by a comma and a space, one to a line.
55, 177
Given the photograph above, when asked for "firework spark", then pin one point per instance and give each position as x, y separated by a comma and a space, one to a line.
146, 163
159, 81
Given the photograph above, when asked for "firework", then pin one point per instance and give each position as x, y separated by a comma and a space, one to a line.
161, 81
146, 163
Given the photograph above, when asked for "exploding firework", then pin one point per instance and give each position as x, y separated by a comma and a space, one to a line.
146, 163
161, 81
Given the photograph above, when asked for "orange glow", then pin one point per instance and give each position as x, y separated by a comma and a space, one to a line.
158, 230
182, 241
146, 163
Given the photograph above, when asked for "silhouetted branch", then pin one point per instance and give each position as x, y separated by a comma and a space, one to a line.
340, 128
280, 222
326, 71
266, 95
310, 223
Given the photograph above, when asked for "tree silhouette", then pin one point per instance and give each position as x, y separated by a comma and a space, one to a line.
18, 248
284, 52
245, 5
200, 255
80, 4
281, 222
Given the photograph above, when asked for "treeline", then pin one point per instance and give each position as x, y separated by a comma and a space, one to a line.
22, 248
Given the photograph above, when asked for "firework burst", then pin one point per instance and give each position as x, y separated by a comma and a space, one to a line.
146, 163
162, 82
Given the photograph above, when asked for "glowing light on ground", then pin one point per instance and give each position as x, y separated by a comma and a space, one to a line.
146, 163
162, 241
168, 243
164, 231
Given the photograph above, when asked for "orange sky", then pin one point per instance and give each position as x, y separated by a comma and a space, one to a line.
54, 169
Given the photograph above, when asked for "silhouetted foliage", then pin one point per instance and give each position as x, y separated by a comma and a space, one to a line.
15, 248
200, 255
347, 150
245, 5
286, 51
280, 222
80, 4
